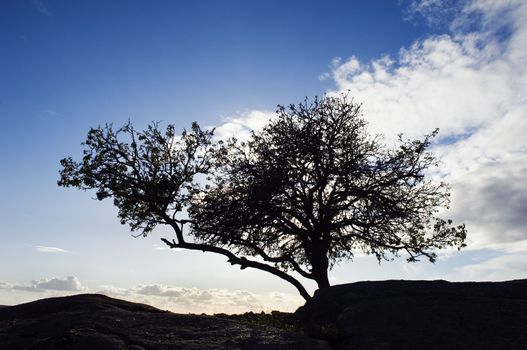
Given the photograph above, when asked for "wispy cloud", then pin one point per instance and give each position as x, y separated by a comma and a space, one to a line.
41, 7
436, 13
505, 267
45, 249
49, 113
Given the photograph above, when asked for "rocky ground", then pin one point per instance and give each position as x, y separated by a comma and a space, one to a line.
92, 321
417, 315
384, 315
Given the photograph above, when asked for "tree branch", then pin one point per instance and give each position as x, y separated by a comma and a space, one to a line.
278, 259
242, 261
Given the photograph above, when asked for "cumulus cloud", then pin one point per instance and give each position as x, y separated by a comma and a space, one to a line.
472, 84
195, 300
110, 290
439, 82
175, 299
45, 249
241, 126
69, 284
158, 290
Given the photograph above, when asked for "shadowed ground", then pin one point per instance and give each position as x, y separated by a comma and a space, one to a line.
383, 315
431, 315
91, 321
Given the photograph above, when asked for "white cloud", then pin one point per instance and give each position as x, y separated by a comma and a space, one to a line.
156, 289
195, 300
113, 290
505, 267
175, 299
45, 249
5, 285
240, 127
69, 284
473, 86
471, 82
438, 82
487, 15
434, 12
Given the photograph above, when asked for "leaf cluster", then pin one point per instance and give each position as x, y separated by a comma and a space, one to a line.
314, 182
149, 174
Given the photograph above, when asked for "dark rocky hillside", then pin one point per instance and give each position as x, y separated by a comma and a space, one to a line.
91, 321
387, 315
429, 315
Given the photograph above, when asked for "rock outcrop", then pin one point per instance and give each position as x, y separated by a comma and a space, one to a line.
387, 315
421, 315
91, 321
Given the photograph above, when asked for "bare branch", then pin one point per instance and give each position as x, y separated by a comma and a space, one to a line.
242, 261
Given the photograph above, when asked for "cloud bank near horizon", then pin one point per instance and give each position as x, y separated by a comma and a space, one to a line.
175, 299
68, 284
209, 301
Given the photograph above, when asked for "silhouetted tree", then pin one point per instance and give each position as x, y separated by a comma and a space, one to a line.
309, 190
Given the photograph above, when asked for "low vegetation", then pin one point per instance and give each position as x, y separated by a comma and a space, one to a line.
289, 322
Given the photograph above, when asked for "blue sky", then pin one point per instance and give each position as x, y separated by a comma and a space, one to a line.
66, 66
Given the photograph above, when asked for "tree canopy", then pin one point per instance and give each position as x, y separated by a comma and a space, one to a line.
312, 188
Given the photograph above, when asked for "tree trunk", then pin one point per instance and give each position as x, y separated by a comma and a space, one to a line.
322, 279
320, 265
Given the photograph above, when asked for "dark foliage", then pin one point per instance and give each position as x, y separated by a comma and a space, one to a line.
307, 191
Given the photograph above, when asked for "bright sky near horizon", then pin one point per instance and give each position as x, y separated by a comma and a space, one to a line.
66, 66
